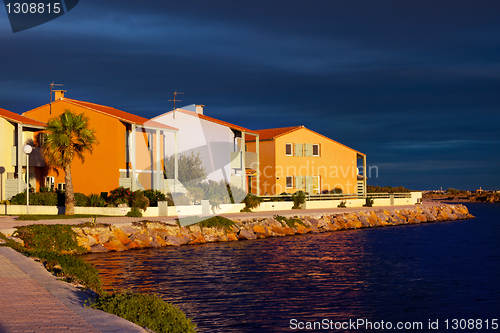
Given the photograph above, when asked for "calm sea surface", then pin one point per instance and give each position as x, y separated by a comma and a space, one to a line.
406, 274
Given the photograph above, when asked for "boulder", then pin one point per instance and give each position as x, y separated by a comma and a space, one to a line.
114, 244
246, 234
121, 236
176, 240
98, 248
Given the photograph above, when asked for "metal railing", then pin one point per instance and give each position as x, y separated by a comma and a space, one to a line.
311, 197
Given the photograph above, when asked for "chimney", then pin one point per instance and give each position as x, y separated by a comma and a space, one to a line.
199, 108
59, 94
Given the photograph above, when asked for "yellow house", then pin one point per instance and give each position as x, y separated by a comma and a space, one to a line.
15, 132
296, 158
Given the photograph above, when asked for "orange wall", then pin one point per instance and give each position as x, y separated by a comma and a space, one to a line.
100, 172
336, 165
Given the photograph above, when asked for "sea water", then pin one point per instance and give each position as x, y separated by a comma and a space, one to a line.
431, 277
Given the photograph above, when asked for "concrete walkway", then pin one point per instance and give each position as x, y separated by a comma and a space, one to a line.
33, 300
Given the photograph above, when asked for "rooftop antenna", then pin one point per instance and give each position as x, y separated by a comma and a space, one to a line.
51, 91
175, 100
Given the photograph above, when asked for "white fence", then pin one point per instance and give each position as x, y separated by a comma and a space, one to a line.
381, 199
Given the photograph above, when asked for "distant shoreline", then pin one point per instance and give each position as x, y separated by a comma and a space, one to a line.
446, 198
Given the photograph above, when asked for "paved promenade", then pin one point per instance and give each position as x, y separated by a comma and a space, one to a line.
33, 300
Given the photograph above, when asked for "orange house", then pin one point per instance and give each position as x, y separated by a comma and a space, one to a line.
129, 152
296, 158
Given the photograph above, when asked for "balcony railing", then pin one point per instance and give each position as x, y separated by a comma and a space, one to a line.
309, 197
250, 160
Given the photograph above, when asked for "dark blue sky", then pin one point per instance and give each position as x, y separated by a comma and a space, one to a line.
415, 85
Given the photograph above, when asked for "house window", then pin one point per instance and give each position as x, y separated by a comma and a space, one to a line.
289, 149
49, 182
61, 186
41, 139
316, 185
315, 149
289, 182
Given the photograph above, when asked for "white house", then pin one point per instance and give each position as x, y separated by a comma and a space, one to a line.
219, 143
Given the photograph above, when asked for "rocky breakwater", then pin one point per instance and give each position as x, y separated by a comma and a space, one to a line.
137, 235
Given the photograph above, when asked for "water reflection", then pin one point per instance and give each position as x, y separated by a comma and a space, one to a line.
391, 274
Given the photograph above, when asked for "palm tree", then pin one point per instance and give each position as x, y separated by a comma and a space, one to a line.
68, 135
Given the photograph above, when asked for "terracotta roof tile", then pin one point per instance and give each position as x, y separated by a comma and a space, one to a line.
119, 114
217, 121
17, 118
270, 133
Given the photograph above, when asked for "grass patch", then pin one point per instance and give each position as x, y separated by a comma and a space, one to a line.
58, 238
56, 217
146, 310
292, 223
213, 222
217, 222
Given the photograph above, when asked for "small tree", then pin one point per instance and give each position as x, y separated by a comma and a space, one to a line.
298, 198
68, 135
190, 167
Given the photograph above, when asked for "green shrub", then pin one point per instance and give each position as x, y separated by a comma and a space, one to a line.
138, 200
19, 199
81, 200
73, 268
36, 199
251, 201
369, 202
134, 212
342, 204
298, 198
146, 310
154, 196
119, 195
95, 200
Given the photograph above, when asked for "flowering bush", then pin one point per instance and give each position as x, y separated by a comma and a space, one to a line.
120, 195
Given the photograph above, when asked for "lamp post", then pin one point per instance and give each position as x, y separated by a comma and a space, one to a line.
27, 150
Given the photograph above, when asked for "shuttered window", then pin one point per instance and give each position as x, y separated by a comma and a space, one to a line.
289, 181
308, 151
299, 149
298, 182
288, 149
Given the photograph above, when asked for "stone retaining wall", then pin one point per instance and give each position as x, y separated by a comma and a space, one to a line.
104, 238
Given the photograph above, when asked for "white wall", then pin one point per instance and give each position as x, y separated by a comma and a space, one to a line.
213, 141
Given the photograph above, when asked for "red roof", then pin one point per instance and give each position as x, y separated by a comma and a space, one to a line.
17, 118
271, 133
115, 113
217, 121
